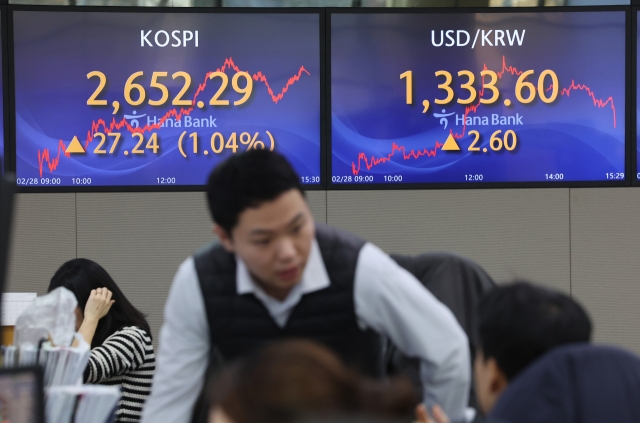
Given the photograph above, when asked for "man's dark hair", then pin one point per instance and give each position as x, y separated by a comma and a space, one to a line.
520, 322
245, 181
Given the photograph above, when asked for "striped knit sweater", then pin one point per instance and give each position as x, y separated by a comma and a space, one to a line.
125, 359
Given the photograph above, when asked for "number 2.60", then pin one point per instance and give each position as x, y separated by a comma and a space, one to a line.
496, 143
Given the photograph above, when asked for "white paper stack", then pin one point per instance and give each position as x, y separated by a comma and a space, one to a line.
9, 356
81, 404
27, 355
64, 365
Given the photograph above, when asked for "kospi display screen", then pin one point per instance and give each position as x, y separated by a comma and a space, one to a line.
637, 97
148, 99
477, 97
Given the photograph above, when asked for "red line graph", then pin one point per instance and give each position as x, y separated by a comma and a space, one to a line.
52, 163
369, 163
474, 107
596, 101
565, 91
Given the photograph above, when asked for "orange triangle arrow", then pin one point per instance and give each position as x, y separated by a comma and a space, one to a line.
450, 144
75, 146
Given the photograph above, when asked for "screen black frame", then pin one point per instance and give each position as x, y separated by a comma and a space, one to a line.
633, 35
12, 142
7, 211
479, 185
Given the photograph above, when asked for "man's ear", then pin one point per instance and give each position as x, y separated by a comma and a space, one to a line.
499, 380
225, 238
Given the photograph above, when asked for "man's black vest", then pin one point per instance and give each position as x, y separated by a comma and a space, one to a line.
238, 324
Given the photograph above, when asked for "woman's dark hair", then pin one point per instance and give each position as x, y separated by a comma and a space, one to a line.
289, 381
80, 276
520, 322
248, 180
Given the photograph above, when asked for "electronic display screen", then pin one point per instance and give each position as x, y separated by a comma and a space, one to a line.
637, 99
148, 99
477, 97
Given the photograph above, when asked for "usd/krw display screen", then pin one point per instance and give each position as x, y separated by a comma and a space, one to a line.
477, 97
143, 99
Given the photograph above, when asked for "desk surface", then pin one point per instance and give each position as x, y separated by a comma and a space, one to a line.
6, 335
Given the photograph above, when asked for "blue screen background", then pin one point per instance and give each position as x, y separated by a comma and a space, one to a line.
54, 52
572, 139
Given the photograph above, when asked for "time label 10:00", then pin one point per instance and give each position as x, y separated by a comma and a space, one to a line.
135, 94
521, 84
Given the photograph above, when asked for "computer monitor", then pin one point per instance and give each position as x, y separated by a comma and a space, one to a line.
21, 395
272, 59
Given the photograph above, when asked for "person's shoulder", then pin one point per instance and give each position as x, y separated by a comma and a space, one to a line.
334, 241
377, 268
186, 274
132, 333
326, 231
372, 256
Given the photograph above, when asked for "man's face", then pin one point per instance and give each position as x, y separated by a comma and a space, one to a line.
274, 240
489, 380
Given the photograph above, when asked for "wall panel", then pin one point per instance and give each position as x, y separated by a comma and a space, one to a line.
141, 239
44, 237
511, 233
605, 264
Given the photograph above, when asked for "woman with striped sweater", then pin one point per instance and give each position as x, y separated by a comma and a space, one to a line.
121, 349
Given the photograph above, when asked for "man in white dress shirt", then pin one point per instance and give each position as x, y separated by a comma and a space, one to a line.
275, 274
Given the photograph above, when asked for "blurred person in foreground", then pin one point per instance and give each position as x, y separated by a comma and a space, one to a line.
579, 383
296, 380
518, 323
118, 333
275, 274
